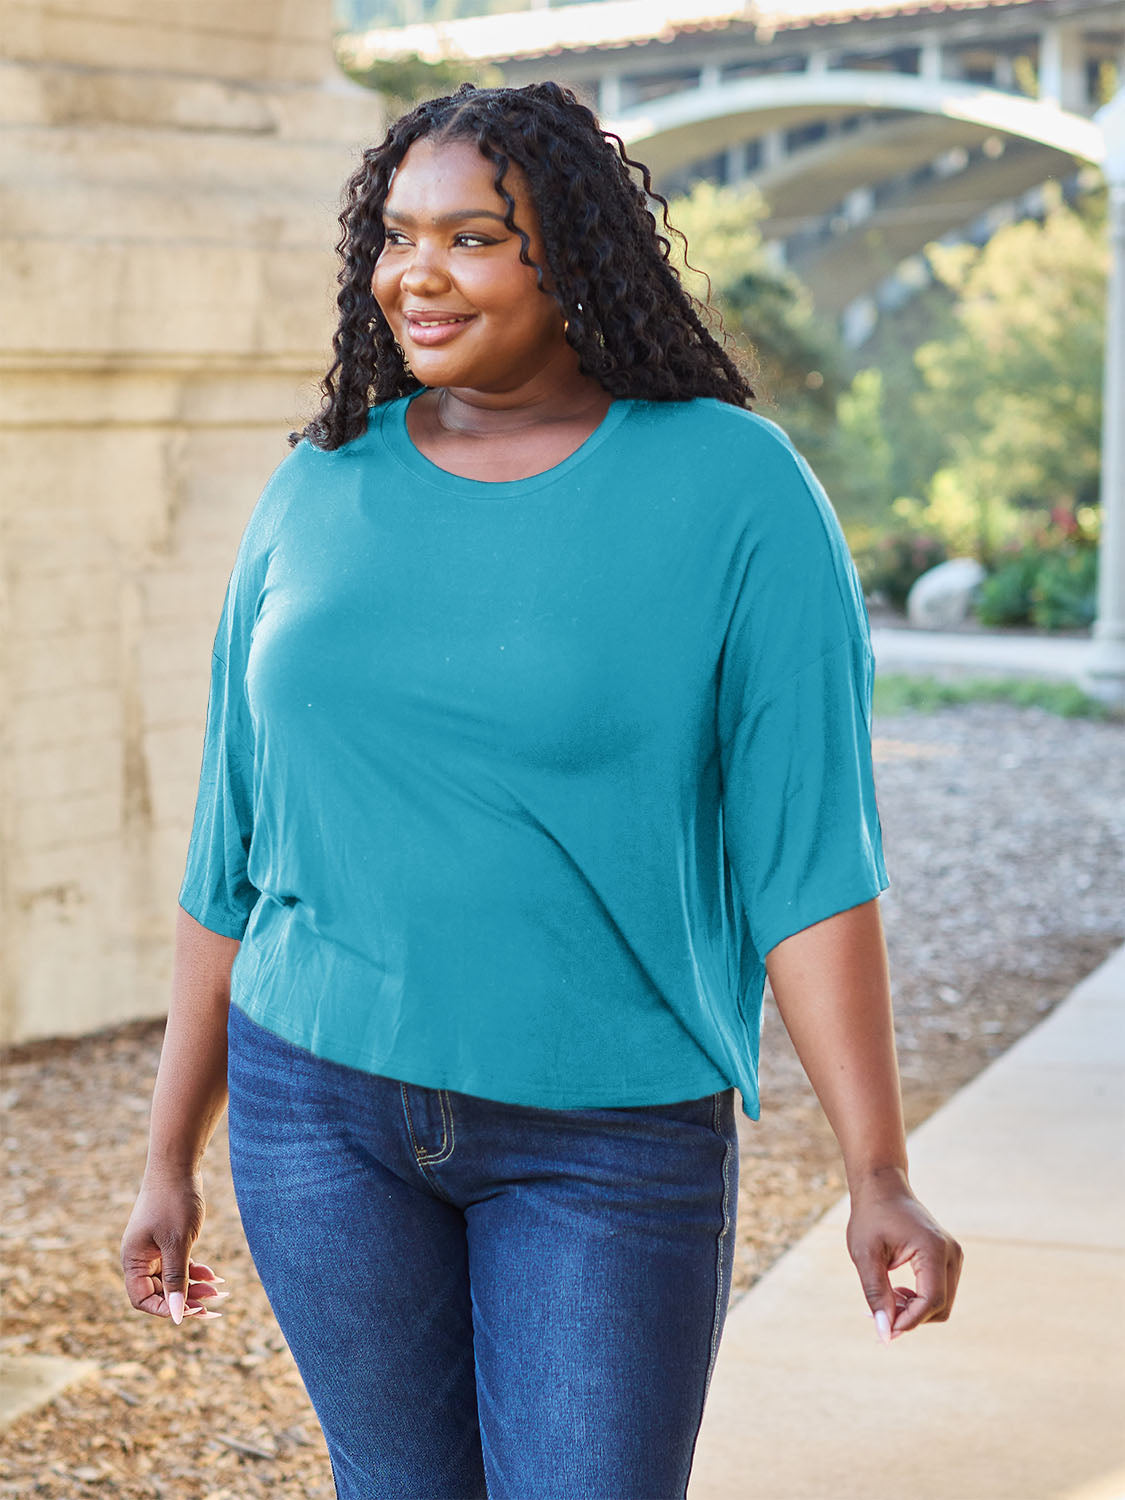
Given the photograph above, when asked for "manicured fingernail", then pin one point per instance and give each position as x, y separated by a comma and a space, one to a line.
883, 1326
208, 1281
176, 1302
205, 1313
217, 1297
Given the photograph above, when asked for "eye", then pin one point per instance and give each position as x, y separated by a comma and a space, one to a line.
473, 239
393, 237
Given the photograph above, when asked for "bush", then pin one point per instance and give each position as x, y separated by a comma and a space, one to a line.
1004, 598
1065, 590
1049, 581
889, 565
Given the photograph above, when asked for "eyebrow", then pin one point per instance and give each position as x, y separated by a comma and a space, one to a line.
454, 218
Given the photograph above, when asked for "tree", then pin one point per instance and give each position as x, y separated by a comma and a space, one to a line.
792, 357
1016, 387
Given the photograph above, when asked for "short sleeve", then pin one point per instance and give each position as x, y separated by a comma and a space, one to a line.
801, 824
216, 889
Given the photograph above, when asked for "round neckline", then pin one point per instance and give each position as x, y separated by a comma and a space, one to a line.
398, 441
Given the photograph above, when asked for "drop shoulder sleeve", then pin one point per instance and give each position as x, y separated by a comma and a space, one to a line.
216, 888
801, 825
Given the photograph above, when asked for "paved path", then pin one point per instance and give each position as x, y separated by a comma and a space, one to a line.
900, 649
1021, 1395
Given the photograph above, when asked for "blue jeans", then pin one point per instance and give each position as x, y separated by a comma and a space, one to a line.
486, 1301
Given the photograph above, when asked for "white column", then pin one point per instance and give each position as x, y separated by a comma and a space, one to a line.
774, 149
931, 59
817, 62
859, 204
1062, 73
857, 320
609, 96
736, 164
710, 76
1107, 651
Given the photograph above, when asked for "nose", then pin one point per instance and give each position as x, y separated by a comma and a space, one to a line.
425, 272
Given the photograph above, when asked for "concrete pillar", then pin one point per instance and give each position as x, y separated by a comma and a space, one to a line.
609, 96
168, 185
1107, 650
857, 321
774, 149
710, 77
858, 204
736, 170
931, 59
817, 62
1062, 67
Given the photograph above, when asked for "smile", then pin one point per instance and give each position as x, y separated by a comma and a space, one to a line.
438, 329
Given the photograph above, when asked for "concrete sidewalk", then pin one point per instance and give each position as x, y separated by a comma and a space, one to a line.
987, 653
1021, 1395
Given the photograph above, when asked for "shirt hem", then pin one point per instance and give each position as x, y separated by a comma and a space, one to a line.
218, 922
820, 907
403, 1071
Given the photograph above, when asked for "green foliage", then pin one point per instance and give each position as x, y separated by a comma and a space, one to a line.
791, 356
1004, 598
1016, 387
895, 693
408, 79
1049, 579
978, 404
1064, 592
891, 561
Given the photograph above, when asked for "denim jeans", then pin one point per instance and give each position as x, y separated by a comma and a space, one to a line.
486, 1301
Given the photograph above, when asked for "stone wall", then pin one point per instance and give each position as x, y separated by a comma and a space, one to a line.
169, 177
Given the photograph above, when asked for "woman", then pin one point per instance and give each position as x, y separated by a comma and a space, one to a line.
539, 731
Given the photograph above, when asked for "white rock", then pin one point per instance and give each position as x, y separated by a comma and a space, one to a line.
944, 595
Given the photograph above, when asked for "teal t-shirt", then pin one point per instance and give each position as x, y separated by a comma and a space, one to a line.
510, 787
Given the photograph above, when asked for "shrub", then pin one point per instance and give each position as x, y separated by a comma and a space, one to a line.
1004, 598
1064, 593
1049, 580
890, 564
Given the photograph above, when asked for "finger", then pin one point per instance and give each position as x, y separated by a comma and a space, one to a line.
953, 1266
199, 1272
200, 1315
174, 1277
930, 1302
203, 1296
876, 1285
141, 1265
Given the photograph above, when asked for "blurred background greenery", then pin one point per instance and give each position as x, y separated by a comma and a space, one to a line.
968, 424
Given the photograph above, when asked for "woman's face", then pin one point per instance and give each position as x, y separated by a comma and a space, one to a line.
449, 280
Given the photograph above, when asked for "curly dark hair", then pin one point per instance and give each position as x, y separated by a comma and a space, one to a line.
634, 325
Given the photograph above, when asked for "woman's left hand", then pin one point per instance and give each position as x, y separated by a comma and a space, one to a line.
889, 1228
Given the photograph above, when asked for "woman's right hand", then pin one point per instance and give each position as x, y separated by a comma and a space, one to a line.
160, 1276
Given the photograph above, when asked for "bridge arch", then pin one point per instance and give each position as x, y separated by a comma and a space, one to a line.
681, 128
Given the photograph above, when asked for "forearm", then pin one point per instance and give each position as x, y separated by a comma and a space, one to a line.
832, 987
191, 1082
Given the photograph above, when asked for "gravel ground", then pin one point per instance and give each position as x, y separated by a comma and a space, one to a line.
1004, 831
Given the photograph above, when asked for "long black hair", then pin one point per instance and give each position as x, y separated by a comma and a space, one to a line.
634, 325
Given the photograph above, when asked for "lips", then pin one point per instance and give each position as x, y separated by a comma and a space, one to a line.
430, 328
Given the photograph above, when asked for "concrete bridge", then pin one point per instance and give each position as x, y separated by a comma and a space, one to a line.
870, 129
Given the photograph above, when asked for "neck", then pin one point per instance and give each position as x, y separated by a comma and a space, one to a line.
554, 395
